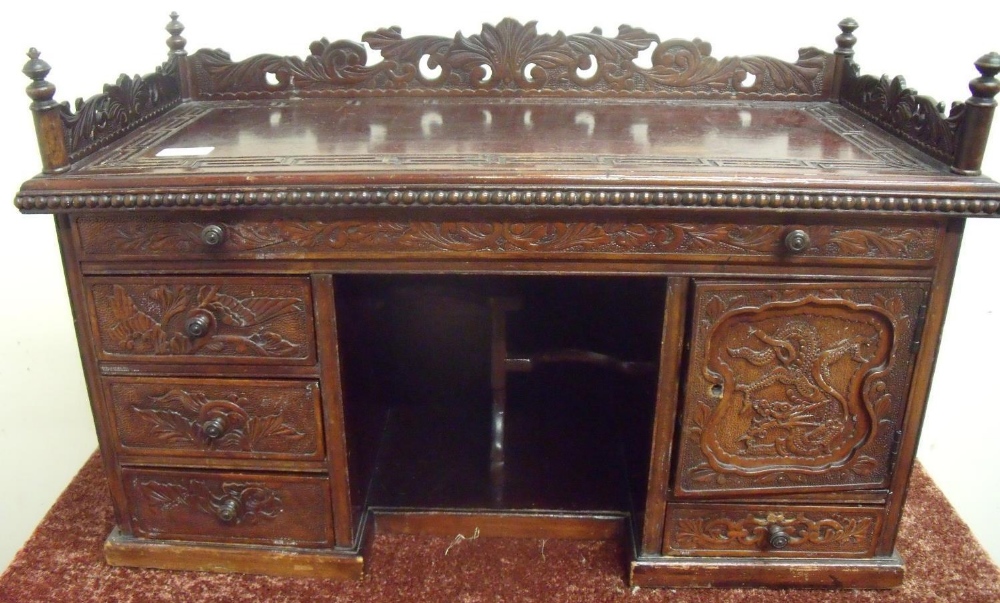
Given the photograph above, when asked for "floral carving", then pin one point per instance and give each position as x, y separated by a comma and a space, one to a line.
917, 118
248, 503
235, 326
122, 107
511, 56
129, 236
236, 428
837, 533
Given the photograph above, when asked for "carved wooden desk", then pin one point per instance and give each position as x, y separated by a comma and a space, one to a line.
512, 282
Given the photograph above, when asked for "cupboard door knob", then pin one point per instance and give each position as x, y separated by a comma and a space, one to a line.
228, 510
197, 326
777, 537
797, 241
212, 235
213, 428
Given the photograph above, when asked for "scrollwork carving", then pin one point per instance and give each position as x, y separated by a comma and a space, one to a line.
834, 533
111, 235
122, 107
901, 110
508, 57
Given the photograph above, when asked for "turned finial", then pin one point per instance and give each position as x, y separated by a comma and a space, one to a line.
175, 42
846, 39
39, 90
986, 86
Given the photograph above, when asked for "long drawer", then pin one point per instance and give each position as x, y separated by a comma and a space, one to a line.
266, 320
711, 530
217, 418
274, 509
197, 236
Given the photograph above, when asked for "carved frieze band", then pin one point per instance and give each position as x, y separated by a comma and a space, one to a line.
511, 57
917, 118
366, 197
103, 236
716, 531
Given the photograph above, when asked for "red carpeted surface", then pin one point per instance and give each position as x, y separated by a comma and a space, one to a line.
62, 562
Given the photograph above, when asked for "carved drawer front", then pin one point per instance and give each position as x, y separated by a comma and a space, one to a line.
205, 236
795, 387
193, 319
218, 419
234, 507
795, 531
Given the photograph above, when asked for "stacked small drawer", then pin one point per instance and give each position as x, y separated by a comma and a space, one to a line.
213, 407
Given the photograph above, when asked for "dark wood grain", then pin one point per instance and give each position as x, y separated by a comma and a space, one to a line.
795, 387
542, 291
222, 419
250, 508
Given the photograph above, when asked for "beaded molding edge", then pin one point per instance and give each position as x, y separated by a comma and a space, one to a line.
865, 202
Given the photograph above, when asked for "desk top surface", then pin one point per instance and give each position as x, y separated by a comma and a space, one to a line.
513, 142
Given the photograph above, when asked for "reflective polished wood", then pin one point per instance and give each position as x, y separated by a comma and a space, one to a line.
542, 291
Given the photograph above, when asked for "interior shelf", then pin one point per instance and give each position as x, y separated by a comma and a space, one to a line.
574, 432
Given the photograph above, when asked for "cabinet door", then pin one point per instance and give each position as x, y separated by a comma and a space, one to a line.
795, 386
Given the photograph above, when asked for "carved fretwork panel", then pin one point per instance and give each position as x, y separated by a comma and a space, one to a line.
213, 419
795, 386
198, 319
260, 509
512, 57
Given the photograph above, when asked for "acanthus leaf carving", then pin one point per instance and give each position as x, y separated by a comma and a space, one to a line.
119, 109
511, 56
917, 118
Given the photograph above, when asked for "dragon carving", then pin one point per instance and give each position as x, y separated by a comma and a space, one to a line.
815, 414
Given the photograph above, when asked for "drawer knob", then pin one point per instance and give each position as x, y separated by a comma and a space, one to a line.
213, 428
228, 510
197, 326
797, 241
777, 537
212, 234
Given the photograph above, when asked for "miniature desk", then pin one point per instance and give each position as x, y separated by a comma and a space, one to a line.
511, 282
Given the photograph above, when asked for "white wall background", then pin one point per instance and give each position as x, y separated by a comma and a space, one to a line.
45, 427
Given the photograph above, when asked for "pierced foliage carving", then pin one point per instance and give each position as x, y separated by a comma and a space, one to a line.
917, 118
252, 502
838, 532
122, 107
511, 57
